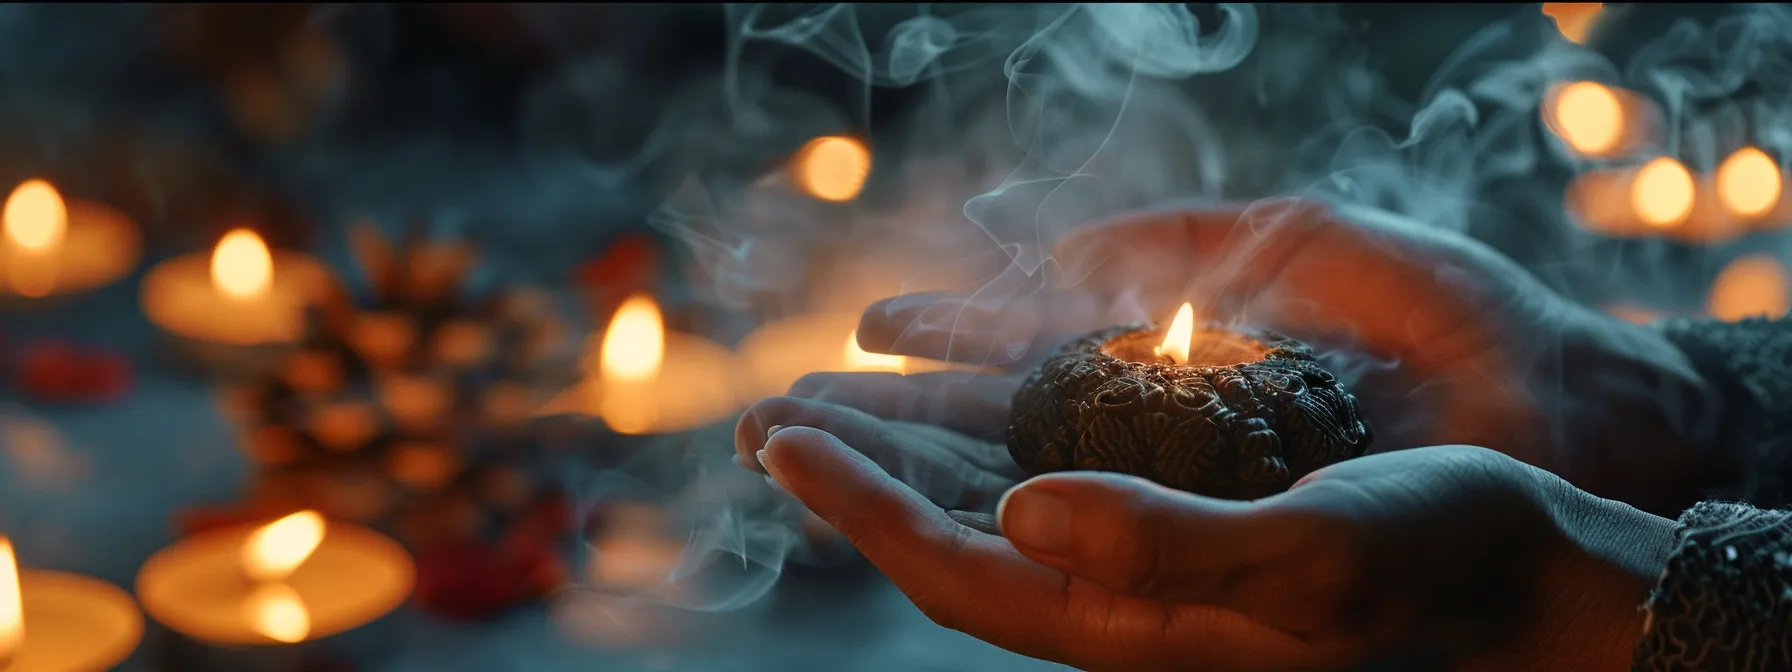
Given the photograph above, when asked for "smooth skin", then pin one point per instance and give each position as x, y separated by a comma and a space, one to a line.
1466, 557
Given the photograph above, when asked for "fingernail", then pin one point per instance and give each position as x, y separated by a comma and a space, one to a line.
772, 430
760, 456
1036, 518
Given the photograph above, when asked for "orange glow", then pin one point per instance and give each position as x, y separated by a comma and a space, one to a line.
833, 168
1748, 183
12, 608
242, 266
1180, 336
35, 218
1588, 116
856, 359
1750, 286
632, 353
1662, 193
278, 613
276, 549
1574, 19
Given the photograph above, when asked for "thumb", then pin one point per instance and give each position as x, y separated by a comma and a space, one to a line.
1136, 537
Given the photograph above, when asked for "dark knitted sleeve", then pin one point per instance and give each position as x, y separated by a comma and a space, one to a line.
1724, 601
1750, 364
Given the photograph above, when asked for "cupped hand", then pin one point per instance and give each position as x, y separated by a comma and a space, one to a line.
1445, 340
1458, 553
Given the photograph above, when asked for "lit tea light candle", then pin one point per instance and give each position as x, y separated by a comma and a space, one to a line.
832, 168
238, 295
1749, 185
1658, 198
52, 246
1597, 121
289, 581
779, 353
62, 622
647, 380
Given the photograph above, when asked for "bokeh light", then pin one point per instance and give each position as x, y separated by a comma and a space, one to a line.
1575, 20
1748, 183
1589, 117
1662, 192
1751, 286
833, 168
35, 217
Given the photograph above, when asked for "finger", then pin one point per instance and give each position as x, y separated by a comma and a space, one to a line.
1139, 538
924, 458
978, 584
969, 402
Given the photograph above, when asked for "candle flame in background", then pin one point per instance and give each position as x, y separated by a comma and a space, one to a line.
1588, 116
35, 218
1751, 286
1575, 20
272, 552
1662, 192
242, 266
1180, 337
12, 607
856, 359
833, 168
1748, 182
632, 352
277, 612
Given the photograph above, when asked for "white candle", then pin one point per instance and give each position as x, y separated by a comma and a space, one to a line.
51, 246
241, 293
62, 622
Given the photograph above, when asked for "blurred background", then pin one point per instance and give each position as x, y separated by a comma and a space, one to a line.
483, 286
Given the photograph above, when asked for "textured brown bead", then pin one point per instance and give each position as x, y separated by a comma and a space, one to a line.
1250, 425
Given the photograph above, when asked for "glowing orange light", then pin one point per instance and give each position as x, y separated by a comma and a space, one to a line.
1662, 192
1588, 116
1180, 337
833, 168
633, 350
12, 608
856, 359
1750, 286
273, 551
35, 218
1574, 19
1748, 182
242, 266
277, 612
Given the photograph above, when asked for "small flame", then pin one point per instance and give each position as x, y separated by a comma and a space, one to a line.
242, 267
833, 168
12, 608
1574, 19
1589, 117
35, 218
1748, 183
856, 359
1180, 337
632, 353
274, 551
1662, 193
1751, 286
278, 613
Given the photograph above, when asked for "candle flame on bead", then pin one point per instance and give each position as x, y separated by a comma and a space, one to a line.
35, 217
1589, 117
633, 350
12, 608
1748, 182
1574, 19
278, 613
273, 551
1662, 193
833, 168
856, 359
1180, 337
242, 266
